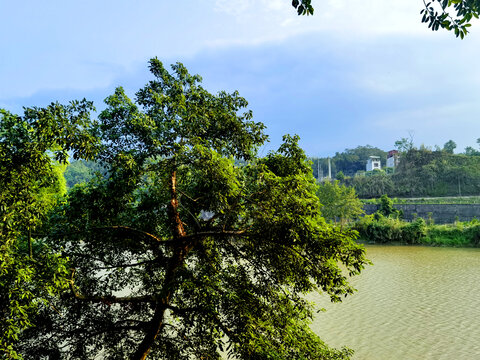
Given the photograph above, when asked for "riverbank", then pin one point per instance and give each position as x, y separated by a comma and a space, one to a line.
374, 229
442, 210
448, 200
439, 213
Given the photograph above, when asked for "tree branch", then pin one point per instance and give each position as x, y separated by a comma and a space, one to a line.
129, 229
109, 299
182, 312
112, 227
124, 265
158, 240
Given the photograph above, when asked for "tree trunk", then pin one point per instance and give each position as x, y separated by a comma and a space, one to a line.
176, 224
30, 249
180, 252
154, 329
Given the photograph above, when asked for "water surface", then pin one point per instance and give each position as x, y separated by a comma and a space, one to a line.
414, 303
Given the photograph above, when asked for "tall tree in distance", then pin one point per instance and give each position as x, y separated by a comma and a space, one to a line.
404, 145
449, 146
181, 251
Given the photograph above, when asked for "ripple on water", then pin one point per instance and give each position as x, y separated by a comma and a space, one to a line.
414, 303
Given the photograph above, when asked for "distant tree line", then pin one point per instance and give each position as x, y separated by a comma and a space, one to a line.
82, 171
422, 172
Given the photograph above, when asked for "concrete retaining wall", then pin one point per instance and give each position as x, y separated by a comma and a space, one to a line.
440, 213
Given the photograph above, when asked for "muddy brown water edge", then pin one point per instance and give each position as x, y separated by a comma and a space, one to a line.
413, 303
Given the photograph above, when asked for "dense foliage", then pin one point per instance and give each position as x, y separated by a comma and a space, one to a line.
462, 234
377, 184
386, 208
381, 229
436, 173
188, 244
31, 183
430, 200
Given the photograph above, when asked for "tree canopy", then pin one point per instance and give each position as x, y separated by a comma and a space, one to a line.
179, 251
404, 144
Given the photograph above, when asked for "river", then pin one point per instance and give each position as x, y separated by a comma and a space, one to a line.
414, 303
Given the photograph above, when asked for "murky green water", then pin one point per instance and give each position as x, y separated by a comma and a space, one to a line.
414, 303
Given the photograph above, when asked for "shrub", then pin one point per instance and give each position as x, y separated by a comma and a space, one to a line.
379, 229
414, 232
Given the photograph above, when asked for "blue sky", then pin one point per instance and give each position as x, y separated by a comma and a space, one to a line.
358, 72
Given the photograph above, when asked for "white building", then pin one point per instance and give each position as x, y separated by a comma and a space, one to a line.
373, 163
392, 158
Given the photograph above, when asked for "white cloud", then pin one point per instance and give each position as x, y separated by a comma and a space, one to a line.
427, 117
233, 7
53, 47
387, 83
272, 20
433, 124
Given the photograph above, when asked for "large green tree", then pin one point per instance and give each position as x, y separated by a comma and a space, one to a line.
181, 252
339, 202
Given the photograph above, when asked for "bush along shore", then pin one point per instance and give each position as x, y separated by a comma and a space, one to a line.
386, 227
340, 205
379, 229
